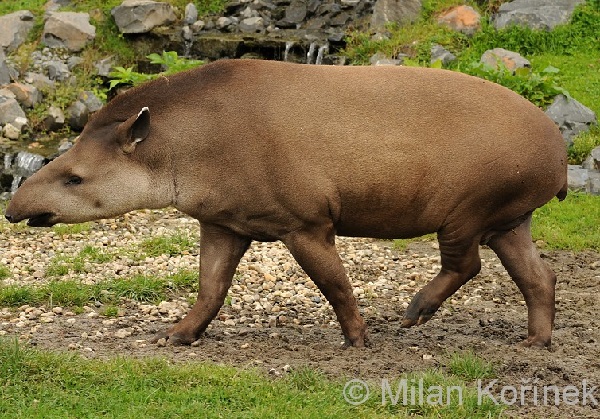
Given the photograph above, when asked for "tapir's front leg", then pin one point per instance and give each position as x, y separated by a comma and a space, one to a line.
220, 253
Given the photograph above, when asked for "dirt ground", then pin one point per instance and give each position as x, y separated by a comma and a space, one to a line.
491, 328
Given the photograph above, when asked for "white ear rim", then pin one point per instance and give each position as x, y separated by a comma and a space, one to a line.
144, 109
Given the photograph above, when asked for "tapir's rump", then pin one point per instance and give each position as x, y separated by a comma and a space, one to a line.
261, 150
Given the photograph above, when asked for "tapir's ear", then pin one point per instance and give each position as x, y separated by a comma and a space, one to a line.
134, 130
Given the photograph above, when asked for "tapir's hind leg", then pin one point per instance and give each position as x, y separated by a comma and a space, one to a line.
460, 262
220, 253
316, 253
534, 278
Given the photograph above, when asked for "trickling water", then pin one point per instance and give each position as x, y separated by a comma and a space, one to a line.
320, 54
8, 161
16, 182
188, 41
311, 52
288, 47
28, 163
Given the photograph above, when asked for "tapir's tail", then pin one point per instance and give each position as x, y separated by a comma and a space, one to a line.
562, 194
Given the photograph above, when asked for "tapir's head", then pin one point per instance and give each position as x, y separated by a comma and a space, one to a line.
107, 173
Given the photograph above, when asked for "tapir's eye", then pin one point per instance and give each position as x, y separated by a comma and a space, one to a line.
74, 180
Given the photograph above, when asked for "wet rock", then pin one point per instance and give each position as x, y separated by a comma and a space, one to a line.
55, 119
571, 116
141, 16
463, 19
399, 11
69, 30
511, 60
15, 29
536, 14
26, 94
439, 53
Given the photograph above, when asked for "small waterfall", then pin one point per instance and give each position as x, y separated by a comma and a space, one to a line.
8, 161
27, 164
311, 52
288, 47
188, 40
16, 182
320, 54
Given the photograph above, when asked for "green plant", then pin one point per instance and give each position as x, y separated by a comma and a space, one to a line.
110, 311
539, 88
169, 61
583, 145
469, 366
4, 272
168, 245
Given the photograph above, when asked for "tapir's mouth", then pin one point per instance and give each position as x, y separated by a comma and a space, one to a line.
41, 220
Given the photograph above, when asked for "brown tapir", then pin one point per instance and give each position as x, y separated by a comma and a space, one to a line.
268, 151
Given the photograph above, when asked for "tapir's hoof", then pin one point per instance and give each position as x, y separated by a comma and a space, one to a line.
175, 339
357, 343
536, 343
419, 311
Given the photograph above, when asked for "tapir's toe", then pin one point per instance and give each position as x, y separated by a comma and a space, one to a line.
174, 338
536, 343
419, 311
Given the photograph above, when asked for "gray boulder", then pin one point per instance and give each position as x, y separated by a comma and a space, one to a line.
399, 11
536, 14
55, 119
91, 101
191, 14
571, 116
15, 29
104, 66
40, 81
439, 53
26, 94
10, 111
4, 69
57, 70
252, 25
511, 60
577, 178
68, 30
593, 160
594, 183
77, 115
140, 16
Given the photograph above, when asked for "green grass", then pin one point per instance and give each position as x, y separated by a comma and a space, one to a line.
63, 229
38, 384
469, 366
4, 272
72, 293
570, 225
61, 265
169, 245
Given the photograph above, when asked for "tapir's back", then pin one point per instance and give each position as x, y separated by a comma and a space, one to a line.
371, 140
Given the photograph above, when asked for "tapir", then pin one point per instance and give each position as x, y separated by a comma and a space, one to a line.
267, 151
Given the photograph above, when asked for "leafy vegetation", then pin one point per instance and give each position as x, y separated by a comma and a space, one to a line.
169, 61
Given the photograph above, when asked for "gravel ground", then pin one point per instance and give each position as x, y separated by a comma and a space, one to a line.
276, 317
